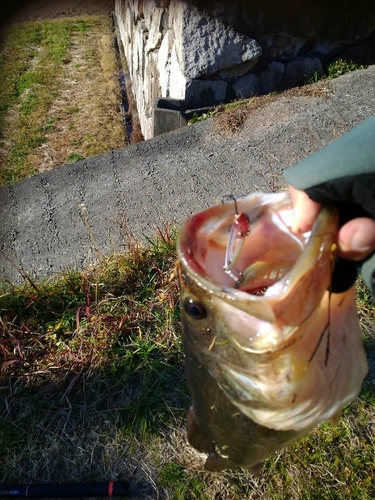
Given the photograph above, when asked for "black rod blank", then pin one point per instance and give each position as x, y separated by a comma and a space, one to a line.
108, 489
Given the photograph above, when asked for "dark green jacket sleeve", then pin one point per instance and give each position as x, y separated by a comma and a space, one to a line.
343, 174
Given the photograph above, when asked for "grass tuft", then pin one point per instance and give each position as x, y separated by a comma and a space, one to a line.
342, 66
119, 318
230, 118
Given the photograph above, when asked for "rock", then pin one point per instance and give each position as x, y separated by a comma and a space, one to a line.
281, 41
207, 45
298, 72
201, 93
171, 47
246, 86
238, 70
194, 50
272, 78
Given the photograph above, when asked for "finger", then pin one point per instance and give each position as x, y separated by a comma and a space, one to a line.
305, 210
356, 239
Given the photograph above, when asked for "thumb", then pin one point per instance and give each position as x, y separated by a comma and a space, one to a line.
356, 239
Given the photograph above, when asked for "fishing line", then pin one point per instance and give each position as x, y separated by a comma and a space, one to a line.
328, 325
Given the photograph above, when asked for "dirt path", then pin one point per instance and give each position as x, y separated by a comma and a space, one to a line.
86, 113
42, 9
84, 116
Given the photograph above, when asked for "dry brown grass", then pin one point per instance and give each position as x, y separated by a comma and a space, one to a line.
229, 119
76, 112
86, 113
93, 354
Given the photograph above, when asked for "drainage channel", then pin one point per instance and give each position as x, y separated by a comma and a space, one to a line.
125, 111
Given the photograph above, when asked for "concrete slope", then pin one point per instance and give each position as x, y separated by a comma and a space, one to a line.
166, 179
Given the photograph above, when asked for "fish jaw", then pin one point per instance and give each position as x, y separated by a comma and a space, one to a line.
287, 360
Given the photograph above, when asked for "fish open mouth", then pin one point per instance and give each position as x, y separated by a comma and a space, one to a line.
251, 262
282, 274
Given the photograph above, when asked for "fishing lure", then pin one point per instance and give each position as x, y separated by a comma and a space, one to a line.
239, 230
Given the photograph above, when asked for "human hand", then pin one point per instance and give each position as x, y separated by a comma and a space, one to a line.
341, 174
356, 238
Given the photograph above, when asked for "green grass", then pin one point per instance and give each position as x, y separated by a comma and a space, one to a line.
336, 69
182, 486
74, 157
200, 117
119, 314
92, 388
342, 66
99, 347
72, 110
32, 60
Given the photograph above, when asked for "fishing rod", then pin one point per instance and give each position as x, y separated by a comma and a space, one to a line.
108, 489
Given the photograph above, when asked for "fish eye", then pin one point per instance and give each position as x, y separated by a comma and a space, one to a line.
195, 309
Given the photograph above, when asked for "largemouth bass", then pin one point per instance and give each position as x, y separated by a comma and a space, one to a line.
269, 352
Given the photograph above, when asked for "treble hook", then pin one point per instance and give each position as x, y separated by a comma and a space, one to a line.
231, 197
239, 230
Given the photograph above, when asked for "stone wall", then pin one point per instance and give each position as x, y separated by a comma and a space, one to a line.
201, 53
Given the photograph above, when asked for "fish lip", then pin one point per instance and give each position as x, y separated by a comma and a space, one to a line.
267, 307
186, 247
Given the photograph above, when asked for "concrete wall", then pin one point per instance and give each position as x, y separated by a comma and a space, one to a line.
202, 53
